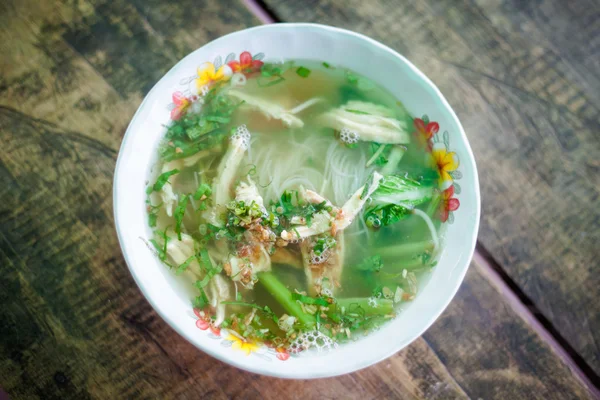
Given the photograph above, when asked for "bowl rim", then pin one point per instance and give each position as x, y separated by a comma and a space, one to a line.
341, 369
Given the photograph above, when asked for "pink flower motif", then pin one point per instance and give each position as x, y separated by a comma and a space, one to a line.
181, 104
282, 354
202, 324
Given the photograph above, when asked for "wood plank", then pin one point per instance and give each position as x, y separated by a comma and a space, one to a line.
72, 322
523, 78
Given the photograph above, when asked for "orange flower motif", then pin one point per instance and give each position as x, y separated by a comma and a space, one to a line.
446, 161
247, 346
181, 104
448, 203
246, 65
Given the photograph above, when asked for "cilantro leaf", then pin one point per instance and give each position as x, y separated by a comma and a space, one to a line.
371, 264
162, 180
179, 213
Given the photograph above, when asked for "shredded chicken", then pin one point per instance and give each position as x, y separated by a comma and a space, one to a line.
323, 278
169, 199
269, 109
180, 251
323, 221
287, 257
227, 169
248, 193
355, 204
371, 122
251, 259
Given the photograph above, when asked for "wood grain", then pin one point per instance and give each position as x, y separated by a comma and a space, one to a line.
524, 79
72, 322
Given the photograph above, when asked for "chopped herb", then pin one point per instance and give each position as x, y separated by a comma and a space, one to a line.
162, 180
153, 213
179, 213
262, 82
323, 243
208, 268
351, 78
319, 301
327, 65
185, 265
201, 301
303, 72
371, 264
203, 190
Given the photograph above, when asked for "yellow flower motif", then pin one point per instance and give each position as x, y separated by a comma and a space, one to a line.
208, 76
244, 345
446, 161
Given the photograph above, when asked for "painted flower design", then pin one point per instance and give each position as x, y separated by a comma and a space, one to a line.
203, 323
208, 75
448, 203
246, 64
282, 354
181, 104
446, 161
425, 131
244, 345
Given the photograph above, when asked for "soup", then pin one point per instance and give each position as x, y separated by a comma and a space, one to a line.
296, 203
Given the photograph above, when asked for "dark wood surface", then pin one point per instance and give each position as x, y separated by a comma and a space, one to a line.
74, 325
524, 79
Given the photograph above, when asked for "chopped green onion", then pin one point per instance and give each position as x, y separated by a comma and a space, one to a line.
303, 72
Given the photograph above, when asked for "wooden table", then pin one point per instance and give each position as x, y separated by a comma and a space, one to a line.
524, 78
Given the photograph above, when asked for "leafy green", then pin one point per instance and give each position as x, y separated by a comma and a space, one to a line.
303, 72
327, 65
394, 199
179, 213
371, 264
381, 153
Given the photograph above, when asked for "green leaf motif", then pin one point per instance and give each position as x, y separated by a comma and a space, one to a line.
457, 188
218, 62
456, 174
450, 217
259, 56
447, 140
230, 58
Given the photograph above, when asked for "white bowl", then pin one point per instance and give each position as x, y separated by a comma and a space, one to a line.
341, 48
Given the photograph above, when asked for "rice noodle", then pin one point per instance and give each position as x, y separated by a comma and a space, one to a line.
434, 235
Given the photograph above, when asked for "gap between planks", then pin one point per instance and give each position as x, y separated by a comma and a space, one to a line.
520, 303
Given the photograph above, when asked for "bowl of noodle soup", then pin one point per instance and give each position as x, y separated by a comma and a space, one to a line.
297, 200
